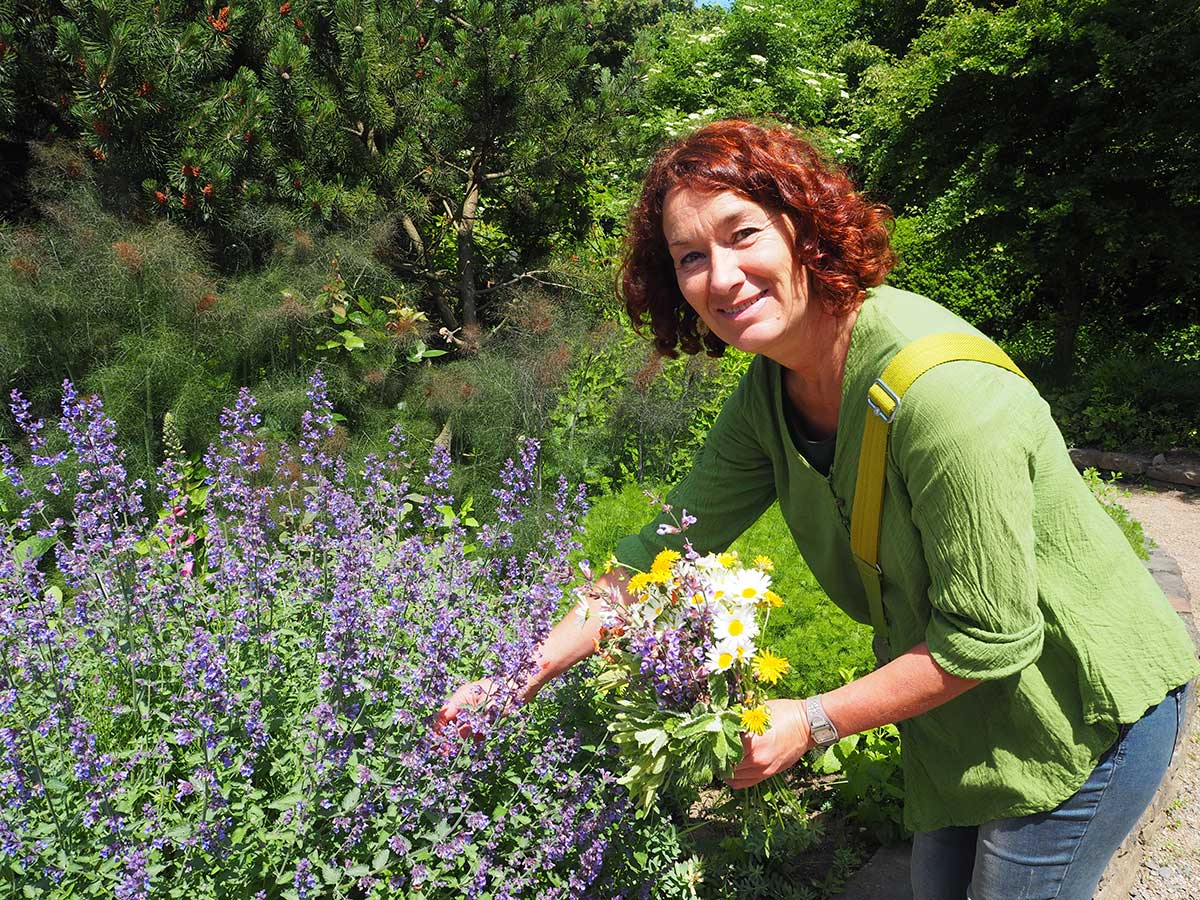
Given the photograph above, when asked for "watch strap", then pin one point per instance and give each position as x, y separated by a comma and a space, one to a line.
820, 727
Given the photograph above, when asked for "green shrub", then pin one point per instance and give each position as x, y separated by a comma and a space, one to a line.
1132, 402
984, 285
1110, 495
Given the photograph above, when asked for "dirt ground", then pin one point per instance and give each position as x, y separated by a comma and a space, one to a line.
1171, 870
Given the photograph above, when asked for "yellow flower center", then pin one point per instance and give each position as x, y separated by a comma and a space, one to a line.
749, 592
725, 660
736, 627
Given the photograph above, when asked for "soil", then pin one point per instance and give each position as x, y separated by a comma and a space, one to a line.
1171, 869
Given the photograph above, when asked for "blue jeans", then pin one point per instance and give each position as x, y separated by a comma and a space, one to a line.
1061, 854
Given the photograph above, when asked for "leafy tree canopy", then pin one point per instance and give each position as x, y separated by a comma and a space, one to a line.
1060, 130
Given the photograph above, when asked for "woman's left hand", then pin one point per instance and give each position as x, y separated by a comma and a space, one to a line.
776, 749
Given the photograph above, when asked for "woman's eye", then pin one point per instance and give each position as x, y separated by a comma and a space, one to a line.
743, 234
688, 258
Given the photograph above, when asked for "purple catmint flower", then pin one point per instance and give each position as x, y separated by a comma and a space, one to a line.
135, 882
305, 880
302, 637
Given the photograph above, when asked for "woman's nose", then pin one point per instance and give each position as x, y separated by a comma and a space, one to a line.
726, 273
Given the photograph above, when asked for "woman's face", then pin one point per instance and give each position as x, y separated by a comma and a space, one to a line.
734, 264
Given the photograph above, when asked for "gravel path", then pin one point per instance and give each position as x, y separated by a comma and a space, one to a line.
1171, 870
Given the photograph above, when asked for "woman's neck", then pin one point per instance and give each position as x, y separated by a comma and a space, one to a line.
813, 372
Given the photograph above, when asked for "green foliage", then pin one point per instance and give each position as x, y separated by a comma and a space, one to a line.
1131, 402
1109, 495
1028, 126
870, 779
734, 866
136, 314
34, 89
468, 126
607, 410
984, 285
769, 58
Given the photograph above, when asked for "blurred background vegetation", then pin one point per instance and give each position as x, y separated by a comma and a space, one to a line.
427, 200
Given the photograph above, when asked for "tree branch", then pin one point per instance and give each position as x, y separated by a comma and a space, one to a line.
531, 275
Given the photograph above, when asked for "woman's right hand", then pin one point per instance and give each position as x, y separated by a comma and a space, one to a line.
571, 640
483, 692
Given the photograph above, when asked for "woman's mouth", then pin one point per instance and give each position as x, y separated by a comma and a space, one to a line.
738, 309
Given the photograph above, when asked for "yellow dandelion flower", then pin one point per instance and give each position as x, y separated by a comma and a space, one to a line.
664, 561
756, 719
770, 598
639, 582
764, 563
660, 576
770, 668
728, 558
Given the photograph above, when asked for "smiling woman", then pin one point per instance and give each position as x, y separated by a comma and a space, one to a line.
758, 180
1035, 667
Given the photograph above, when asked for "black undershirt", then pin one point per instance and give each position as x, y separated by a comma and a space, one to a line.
818, 453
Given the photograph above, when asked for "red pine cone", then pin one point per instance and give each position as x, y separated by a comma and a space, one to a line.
190, 171
297, 184
186, 201
285, 8
145, 89
160, 197
207, 190
247, 136
98, 154
299, 23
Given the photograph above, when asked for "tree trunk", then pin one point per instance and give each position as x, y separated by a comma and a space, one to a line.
444, 310
465, 226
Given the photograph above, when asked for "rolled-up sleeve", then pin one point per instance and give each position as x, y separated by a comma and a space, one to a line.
963, 455
728, 487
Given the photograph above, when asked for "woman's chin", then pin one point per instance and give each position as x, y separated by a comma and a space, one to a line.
756, 337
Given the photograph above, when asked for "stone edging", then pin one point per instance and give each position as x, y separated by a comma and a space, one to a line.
886, 874
1154, 467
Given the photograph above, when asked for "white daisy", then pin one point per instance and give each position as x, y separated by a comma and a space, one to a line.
736, 623
747, 586
741, 649
721, 658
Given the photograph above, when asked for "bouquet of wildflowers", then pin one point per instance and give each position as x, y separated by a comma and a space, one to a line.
684, 673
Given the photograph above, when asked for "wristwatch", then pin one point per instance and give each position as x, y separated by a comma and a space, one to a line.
819, 726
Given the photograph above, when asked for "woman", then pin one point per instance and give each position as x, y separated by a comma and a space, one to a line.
1038, 671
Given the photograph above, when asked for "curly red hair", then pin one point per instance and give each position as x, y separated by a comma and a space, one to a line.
841, 238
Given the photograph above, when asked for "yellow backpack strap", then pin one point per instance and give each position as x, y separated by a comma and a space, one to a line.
883, 403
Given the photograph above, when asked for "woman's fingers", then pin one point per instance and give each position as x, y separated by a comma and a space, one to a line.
473, 693
751, 770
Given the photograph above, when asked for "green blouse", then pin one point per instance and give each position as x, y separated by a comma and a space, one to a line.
993, 551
